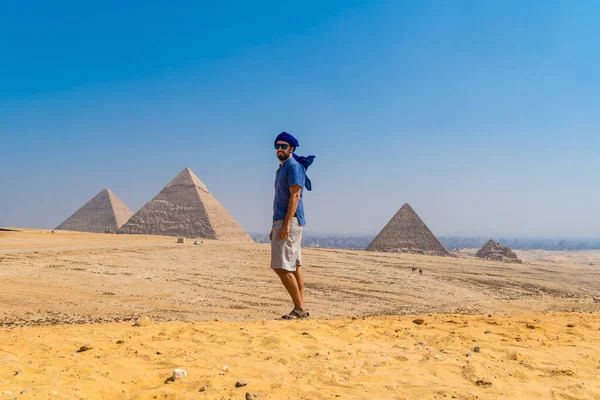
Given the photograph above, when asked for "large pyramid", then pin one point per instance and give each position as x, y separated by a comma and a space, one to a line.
186, 208
105, 211
407, 233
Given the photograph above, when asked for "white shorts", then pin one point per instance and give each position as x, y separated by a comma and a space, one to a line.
287, 253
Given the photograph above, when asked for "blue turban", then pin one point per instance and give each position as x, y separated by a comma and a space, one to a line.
286, 137
304, 161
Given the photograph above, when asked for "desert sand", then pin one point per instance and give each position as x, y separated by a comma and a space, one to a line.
213, 305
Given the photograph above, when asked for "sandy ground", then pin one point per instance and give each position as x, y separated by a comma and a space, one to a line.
522, 357
93, 287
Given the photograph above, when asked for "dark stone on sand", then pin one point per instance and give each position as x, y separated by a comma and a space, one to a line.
85, 347
469, 354
240, 384
120, 341
570, 325
487, 332
476, 349
418, 321
203, 389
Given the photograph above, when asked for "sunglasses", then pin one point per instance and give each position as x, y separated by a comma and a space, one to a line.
281, 146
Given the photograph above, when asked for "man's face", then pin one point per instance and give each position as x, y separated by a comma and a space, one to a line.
284, 150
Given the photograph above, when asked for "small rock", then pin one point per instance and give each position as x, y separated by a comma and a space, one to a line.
159, 352
179, 374
418, 321
250, 396
570, 325
487, 332
476, 349
225, 368
144, 321
420, 344
522, 362
437, 356
86, 347
24, 391
120, 341
203, 388
469, 354
483, 383
240, 384
18, 372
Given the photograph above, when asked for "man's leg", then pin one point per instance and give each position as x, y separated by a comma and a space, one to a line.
291, 284
300, 281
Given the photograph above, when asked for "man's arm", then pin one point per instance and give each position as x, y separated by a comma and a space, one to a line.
295, 192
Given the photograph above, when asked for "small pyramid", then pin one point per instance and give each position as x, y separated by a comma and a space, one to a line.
407, 233
493, 250
186, 208
104, 212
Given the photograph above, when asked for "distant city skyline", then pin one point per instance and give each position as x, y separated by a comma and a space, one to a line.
482, 115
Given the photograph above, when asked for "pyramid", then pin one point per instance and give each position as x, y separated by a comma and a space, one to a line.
495, 251
186, 208
407, 233
105, 211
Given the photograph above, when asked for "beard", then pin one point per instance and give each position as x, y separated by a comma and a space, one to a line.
282, 156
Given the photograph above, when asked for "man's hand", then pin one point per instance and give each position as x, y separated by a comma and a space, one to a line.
284, 232
271, 236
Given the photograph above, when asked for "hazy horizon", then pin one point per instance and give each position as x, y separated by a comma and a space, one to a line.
483, 116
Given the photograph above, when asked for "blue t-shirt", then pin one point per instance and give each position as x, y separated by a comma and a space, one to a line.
291, 173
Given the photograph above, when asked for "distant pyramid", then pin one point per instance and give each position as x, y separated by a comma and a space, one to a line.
103, 212
407, 233
186, 208
495, 251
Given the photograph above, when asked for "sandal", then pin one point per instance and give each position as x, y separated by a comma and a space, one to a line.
296, 313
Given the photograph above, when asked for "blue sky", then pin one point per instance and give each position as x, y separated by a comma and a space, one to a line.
485, 116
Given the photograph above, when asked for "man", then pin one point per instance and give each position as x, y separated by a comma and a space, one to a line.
288, 220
